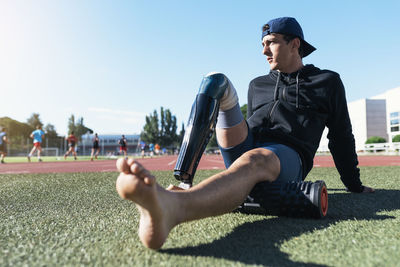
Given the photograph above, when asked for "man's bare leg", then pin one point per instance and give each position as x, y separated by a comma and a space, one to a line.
229, 137
161, 210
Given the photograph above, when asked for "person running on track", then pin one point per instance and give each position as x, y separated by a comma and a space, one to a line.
37, 136
71, 139
95, 147
3, 143
123, 145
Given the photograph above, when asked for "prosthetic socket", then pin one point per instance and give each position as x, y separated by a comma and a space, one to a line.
200, 127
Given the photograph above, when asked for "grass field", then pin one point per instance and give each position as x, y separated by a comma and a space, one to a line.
78, 219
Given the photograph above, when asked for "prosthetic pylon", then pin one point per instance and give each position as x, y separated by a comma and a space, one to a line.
200, 127
293, 199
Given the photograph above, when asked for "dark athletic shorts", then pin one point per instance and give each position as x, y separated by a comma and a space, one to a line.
291, 166
3, 147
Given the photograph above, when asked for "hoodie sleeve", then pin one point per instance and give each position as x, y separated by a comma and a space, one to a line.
341, 139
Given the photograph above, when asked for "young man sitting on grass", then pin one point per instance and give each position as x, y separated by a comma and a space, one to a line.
287, 112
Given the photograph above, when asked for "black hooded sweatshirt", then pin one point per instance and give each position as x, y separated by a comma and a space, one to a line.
293, 109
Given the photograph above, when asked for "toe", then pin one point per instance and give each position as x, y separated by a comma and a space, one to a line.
122, 166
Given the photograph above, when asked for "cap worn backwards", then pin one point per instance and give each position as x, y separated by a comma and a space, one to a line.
287, 25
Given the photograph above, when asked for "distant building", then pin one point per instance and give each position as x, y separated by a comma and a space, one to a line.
392, 98
375, 116
108, 143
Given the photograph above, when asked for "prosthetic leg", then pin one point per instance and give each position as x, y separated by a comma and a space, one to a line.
292, 199
200, 127
298, 199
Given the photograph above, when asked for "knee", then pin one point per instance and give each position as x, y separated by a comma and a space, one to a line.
263, 161
214, 85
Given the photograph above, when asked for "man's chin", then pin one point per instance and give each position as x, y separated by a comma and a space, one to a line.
273, 65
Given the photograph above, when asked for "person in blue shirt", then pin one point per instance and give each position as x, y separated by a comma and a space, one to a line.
37, 136
3, 144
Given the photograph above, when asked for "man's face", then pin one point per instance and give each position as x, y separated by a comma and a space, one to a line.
280, 55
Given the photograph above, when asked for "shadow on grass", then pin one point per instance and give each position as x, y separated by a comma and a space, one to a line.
258, 242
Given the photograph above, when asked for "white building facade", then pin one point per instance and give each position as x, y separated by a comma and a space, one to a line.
375, 116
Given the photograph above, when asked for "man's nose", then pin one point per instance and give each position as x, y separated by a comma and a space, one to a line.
266, 50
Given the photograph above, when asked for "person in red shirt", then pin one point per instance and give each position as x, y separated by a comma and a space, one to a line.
71, 139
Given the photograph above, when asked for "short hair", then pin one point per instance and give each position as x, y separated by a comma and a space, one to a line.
289, 37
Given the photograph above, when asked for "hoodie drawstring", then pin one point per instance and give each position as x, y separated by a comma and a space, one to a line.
297, 89
276, 87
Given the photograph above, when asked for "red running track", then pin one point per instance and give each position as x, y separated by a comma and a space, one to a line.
164, 163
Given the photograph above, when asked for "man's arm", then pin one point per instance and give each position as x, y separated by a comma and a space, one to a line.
5, 139
341, 141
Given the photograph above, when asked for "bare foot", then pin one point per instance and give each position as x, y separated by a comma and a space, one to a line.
172, 187
156, 205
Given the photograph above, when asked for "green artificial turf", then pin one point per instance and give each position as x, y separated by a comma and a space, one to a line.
79, 219
51, 159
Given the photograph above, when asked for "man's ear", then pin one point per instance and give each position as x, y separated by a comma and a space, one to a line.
296, 43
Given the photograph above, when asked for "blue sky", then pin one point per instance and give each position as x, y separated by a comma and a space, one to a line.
114, 62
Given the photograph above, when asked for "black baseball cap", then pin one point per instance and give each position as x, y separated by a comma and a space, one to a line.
287, 25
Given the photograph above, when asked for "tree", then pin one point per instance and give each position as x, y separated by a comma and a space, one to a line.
52, 138
396, 138
17, 132
375, 139
34, 120
50, 131
71, 124
181, 133
151, 132
168, 134
161, 130
244, 110
78, 128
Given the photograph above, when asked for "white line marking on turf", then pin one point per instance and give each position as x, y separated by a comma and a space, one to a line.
172, 162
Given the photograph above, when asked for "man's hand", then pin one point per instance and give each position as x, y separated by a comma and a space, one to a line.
368, 190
